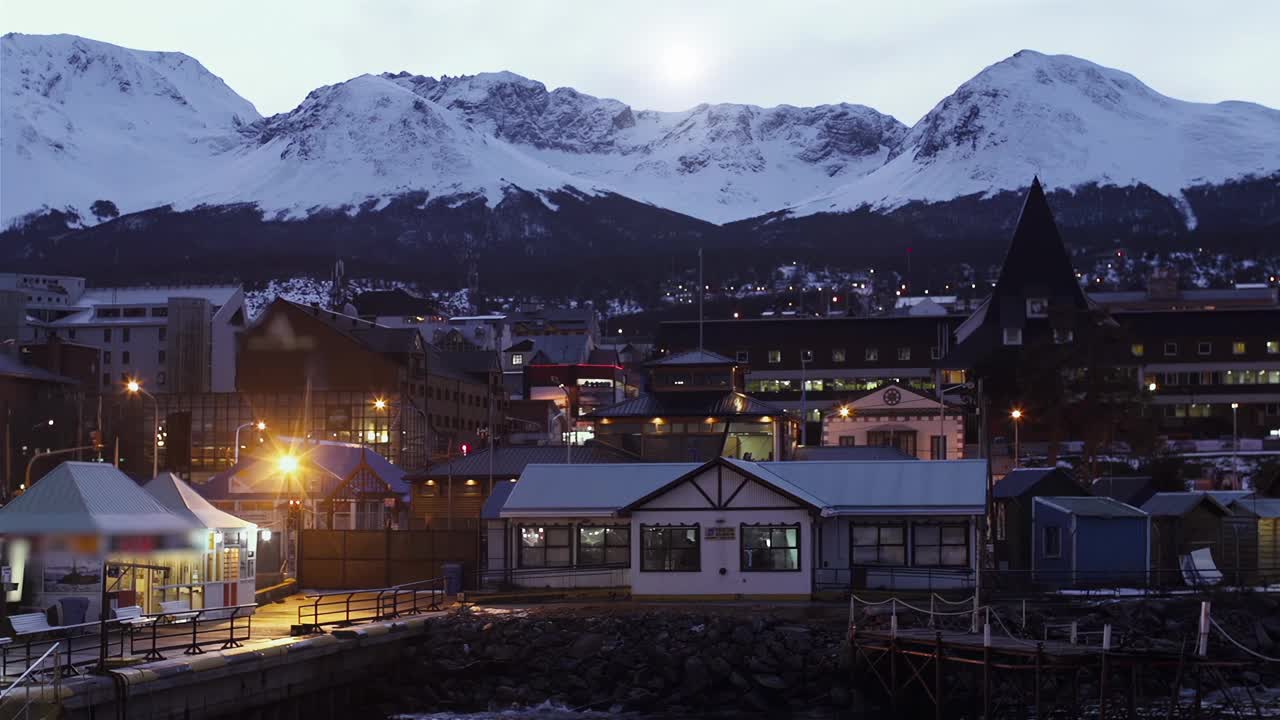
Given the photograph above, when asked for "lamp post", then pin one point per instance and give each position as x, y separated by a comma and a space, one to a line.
288, 464
260, 425
135, 388
1235, 443
1017, 446
568, 425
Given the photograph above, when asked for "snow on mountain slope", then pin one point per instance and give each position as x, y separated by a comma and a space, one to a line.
717, 162
1071, 122
367, 138
84, 120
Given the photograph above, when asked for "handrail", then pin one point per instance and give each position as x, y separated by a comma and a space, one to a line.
31, 669
347, 607
199, 621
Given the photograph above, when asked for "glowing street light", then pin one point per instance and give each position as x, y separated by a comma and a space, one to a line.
844, 411
1017, 446
287, 464
260, 425
135, 388
1151, 387
379, 404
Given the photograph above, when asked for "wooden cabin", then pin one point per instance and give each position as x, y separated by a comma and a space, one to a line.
1181, 523
1011, 500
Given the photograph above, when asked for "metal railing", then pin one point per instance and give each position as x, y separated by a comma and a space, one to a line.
348, 607
563, 578
190, 630
891, 577
80, 644
39, 684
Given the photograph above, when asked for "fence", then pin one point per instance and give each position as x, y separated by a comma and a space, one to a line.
80, 644
38, 687
353, 606
190, 631
355, 559
566, 578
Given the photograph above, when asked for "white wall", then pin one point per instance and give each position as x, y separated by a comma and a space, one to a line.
222, 376
726, 554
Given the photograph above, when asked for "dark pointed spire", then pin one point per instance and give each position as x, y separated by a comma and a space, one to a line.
1037, 257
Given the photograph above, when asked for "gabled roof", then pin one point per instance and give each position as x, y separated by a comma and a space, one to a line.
693, 357
11, 366
1267, 508
1022, 481
952, 487
183, 500
328, 464
587, 490
511, 460
750, 469
492, 508
1037, 263
688, 404
1177, 504
89, 498
1103, 507
1131, 489
375, 337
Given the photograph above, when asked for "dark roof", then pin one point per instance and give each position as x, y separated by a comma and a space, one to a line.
601, 356
522, 346
1210, 323
1037, 263
688, 404
693, 357
470, 361
510, 461
393, 302
1133, 489
1022, 481
12, 367
860, 452
492, 508
1177, 504
1103, 507
375, 337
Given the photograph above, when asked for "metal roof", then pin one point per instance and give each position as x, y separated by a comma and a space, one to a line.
327, 463
1017, 483
688, 404
693, 357
12, 367
1180, 503
182, 499
587, 490
858, 452
889, 487
511, 460
1092, 506
492, 508
90, 498
1132, 489
1267, 508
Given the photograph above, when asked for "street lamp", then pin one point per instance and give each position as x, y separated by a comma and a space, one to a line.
568, 426
135, 388
844, 411
260, 425
1235, 443
1017, 445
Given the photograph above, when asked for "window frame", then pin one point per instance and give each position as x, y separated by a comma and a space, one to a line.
1239, 347
879, 526
1272, 347
916, 545
517, 358
1044, 542
838, 355
1137, 349
546, 546
1011, 336
775, 357
609, 530
697, 547
742, 356
871, 354
1170, 348
806, 356
1204, 347
904, 354
771, 527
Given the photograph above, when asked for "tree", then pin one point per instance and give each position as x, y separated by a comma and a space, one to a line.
104, 210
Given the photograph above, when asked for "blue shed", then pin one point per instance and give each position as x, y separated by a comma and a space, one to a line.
1089, 541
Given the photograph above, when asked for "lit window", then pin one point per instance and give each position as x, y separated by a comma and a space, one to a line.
1204, 348
1171, 348
544, 547
1137, 349
837, 355
1273, 347
1013, 336
1237, 347
670, 549
806, 356
767, 549
775, 356
517, 358
872, 354
904, 353
604, 546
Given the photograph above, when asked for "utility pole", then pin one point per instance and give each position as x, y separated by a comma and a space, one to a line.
701, 292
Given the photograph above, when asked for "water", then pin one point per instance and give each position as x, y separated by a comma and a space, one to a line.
549, 711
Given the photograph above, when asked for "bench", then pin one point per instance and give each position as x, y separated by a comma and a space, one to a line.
131, 616
31, 624
178, 610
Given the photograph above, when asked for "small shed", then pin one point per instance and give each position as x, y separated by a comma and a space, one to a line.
1089, 542
85, 518
231, 560
1264, 515
1181, 523
1011, 512
1129, 489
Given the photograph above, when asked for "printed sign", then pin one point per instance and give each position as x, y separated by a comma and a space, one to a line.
64, 572
720, 533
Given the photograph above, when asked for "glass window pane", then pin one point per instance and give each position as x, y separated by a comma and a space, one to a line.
893, 555
558, 556
926, 555
927, 534
591, 537
590, 555
955, 556
865, 535
865, 555
558, 536
891, 535
953, 535
617, 555
532, 537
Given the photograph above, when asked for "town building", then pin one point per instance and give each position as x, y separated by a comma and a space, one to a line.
694, 411
40, 411
894, 416
733, 529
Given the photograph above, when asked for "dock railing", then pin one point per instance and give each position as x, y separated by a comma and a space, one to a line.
190, 631
348, 607
39, 685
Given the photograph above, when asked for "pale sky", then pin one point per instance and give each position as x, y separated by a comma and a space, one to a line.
898, 56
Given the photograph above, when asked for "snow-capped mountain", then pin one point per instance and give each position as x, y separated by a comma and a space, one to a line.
1073, 123
83, 121
715, 162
